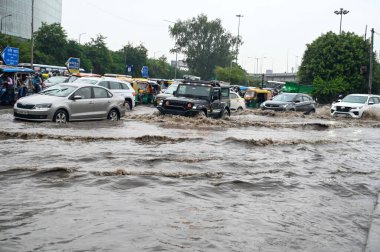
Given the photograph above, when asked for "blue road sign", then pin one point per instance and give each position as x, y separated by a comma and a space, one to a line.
10, 56
73, 63
144, 72
129, 68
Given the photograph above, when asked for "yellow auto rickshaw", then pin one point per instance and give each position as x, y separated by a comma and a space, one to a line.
255, 96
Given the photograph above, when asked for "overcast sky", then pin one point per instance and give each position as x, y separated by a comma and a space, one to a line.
275, 29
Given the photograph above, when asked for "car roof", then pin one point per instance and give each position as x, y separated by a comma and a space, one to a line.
364, 95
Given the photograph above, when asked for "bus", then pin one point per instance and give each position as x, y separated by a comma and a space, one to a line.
47, 68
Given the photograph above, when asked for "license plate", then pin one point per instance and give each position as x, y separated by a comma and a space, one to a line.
23, 112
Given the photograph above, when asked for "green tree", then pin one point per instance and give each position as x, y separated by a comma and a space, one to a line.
235, 75
99, 55
205, 43
50, 44
136, 56
159, 68
332, 63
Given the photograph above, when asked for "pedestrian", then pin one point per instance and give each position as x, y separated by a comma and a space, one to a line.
37, 82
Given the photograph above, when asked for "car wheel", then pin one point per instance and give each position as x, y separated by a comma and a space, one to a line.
309, 112
113, 115
201, 114
129, 104
61, 116
224, 114
240, 109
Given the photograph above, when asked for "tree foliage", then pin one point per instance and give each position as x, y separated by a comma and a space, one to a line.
235, 75
50, 43
334, 64
205, 43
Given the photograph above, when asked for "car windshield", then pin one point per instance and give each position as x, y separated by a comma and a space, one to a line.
194, 91
171, 89
59, 90
56, 79
87, 81
284, 97
355, 99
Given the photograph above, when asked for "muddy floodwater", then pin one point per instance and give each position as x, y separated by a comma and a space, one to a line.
255, 182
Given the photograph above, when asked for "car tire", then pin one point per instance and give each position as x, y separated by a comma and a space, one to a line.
201, 114
129, 102
224, 114
310, 112
61, 116
240, 109
113, 115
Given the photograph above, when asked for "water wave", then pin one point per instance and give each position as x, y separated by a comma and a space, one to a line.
271, 142
146, 139
123, 172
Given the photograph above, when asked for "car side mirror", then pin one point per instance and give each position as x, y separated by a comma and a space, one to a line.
174, 93
371, 103
76, 97
297, 101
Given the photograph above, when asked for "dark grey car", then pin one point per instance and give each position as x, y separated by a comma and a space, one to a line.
290, 102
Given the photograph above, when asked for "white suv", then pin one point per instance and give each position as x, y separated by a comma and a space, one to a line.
355, 105
116, 86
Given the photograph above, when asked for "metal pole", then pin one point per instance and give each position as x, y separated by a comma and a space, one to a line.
370, 75
237, 44
80, 34
175, 68
32, 38
341, 15
257, 65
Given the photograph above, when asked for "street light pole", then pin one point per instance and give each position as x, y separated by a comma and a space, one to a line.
262, 62
238, 37
32, 38
341, 12
80, 34
1, 21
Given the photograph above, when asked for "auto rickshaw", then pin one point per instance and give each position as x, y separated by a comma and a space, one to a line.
145, 90
255, 96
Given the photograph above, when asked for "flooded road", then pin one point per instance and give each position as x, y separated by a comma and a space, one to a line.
255, 182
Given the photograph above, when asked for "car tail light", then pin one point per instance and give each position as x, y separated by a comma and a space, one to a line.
189, 105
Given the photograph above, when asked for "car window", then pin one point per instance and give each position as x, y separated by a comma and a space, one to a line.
100, 93
84, 92
233, 96
225, 92
124, 86
306, 98
374, 100
103, 84
115, 85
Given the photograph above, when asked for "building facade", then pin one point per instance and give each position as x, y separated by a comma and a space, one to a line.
16, 15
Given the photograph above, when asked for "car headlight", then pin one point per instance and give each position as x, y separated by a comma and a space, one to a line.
42, 106
357, 107
284, 105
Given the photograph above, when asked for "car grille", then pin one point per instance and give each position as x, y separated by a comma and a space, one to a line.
25, 106
272, 106
177, 105
343, 109
30, 116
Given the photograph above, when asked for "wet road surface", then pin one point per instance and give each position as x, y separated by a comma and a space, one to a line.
256, 182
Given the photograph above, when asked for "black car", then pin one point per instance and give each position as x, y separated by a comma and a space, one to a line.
290, 102
194, 98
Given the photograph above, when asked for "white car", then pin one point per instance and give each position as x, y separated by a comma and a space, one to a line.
237, 103
355, 105
116, 86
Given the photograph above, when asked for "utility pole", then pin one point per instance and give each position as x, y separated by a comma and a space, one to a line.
370, 75
32, 38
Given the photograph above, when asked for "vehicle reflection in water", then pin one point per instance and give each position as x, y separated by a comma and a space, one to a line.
278, 183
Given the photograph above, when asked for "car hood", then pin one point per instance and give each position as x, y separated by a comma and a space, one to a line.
277, 102
187, 99
348, 104
163, 95
39, 99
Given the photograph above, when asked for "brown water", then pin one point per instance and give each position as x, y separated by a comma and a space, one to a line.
256, 182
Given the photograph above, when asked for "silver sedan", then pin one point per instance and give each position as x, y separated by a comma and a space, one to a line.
70, 102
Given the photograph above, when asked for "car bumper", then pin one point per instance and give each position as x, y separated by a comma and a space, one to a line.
190, 112
32, 115
353, 113
274, 108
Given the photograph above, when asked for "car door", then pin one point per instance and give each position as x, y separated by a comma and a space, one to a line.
82, 108
215, 102
234, 101
102, 102
300, 103
116, 88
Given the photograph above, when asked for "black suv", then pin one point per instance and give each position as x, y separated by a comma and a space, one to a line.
198, 97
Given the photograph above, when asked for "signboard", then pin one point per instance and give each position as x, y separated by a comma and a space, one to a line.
73, 63
129, 69
144, 72
10, 56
